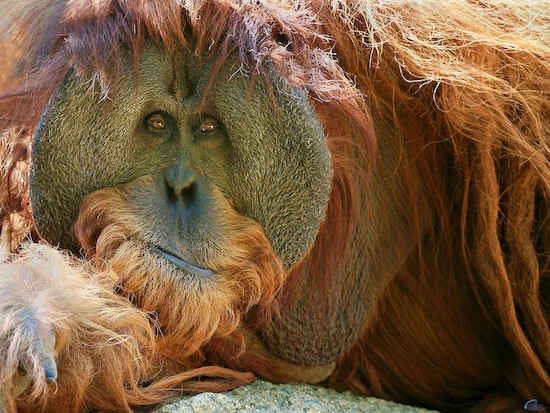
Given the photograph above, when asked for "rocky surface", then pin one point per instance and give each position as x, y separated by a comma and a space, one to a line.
263, 397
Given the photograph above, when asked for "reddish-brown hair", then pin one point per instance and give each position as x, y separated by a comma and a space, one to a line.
467, 84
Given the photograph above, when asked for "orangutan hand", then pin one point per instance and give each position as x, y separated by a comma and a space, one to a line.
27, 339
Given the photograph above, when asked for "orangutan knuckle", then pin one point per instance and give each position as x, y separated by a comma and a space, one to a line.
26, 351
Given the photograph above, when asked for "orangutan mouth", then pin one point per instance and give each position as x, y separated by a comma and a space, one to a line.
180, 263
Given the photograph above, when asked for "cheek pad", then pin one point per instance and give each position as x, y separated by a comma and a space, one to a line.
282, 168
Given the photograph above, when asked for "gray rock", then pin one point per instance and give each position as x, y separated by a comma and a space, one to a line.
264, 397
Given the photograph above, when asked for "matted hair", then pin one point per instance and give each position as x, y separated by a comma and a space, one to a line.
466, 83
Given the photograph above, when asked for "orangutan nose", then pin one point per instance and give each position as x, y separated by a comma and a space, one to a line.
181, 185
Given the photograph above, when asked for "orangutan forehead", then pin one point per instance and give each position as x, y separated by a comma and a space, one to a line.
89, 39
91, 36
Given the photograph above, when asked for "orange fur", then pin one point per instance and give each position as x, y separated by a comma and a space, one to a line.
248, 273
461, 88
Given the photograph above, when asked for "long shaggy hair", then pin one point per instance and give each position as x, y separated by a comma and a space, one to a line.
467, 86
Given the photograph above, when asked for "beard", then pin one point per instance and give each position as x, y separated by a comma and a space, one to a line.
187, 306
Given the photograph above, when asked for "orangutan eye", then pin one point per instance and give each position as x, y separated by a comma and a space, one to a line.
156, 121
209, 125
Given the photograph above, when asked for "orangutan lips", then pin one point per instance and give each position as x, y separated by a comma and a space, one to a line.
180, 263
